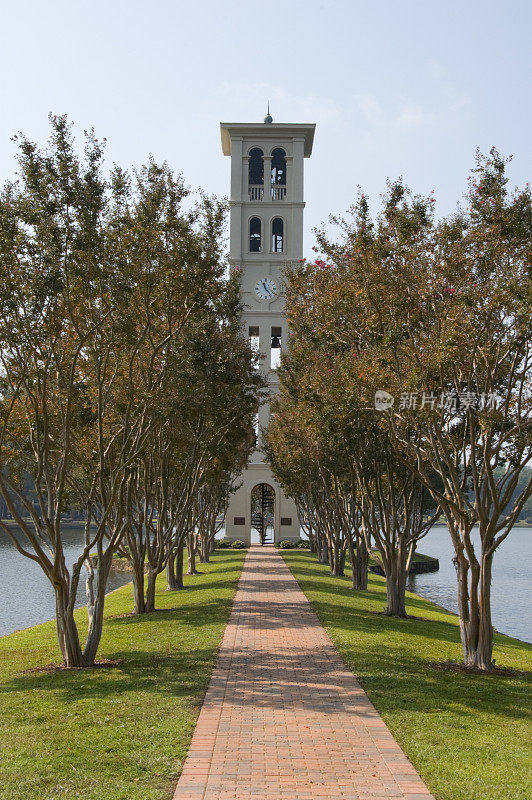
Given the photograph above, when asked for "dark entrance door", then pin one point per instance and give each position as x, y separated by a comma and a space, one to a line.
262, 511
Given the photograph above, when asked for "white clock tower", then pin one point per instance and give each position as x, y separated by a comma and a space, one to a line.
266, 233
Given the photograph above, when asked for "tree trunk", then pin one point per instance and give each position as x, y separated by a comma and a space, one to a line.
323, 552
67, 631
204, 548
95, 605
170, 573
342, 559
474, 606
353, 560
150, 591
179, 566
359, 562
338, 560
174, 570
395, 587
362, 562
138, 589
191, 555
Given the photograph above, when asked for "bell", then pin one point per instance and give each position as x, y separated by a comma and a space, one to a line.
276, 343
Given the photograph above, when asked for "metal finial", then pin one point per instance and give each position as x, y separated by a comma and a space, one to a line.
268, 119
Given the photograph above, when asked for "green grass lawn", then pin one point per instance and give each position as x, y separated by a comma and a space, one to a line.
468, 735
112, 734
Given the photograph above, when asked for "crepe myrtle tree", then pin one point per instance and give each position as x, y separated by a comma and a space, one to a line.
397, 510
392, 508
150, 519
203, 438
312, 376
285, 447
365, 493
388, 505
51, 245
218, 397
171, 268
292, 450
213, 502
439, 315
98, 278
308, 456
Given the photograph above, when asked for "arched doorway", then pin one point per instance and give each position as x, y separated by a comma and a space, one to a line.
263, 512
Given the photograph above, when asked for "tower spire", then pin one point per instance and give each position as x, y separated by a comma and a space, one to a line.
268, 119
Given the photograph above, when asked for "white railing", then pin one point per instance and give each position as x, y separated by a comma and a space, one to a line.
256, 193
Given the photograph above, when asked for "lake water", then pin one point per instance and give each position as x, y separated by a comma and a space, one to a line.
26, 596
511, 591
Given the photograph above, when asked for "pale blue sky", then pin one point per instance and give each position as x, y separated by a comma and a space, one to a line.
396, 87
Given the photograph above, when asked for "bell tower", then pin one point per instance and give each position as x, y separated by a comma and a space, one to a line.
266, 233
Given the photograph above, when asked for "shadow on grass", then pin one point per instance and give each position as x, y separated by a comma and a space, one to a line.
316, 579
165, 658
345, 619
410, 685
392, 656
189, 614
383, 655
194, 586
164, 673
218, 571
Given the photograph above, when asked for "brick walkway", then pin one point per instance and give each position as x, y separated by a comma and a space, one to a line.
283, 719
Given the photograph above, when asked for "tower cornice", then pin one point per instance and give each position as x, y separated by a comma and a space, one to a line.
274, 131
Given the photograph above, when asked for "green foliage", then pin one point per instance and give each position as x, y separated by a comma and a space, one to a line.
287, 544
234, 544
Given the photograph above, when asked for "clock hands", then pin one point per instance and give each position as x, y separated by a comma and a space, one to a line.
266, 288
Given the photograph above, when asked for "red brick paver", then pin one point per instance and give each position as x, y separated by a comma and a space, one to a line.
283, 719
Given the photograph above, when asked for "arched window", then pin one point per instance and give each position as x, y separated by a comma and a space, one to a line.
256, 167
278, 167
255, 235
277, 235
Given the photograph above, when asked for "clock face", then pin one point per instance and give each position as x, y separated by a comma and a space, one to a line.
266, 289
